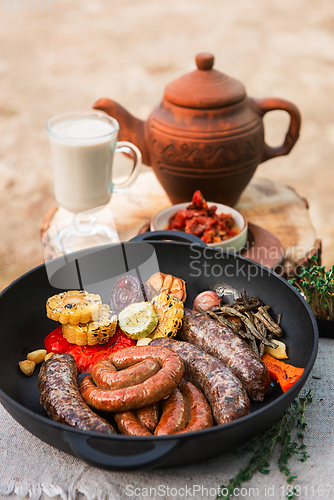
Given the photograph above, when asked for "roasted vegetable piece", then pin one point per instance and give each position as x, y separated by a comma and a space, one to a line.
170, 312
127, 290
144, 341
27, 367
286, 375
247, 317
205, 300
94, 332
86, 356
160, 282
279, 352
74, 307
138, 320
37, 356
55, 342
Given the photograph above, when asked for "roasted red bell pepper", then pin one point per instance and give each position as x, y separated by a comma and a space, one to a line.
286, 375
87, 356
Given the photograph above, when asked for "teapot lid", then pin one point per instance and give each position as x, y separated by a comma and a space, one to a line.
204, 88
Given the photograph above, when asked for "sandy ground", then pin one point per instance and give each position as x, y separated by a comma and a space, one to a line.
65, 57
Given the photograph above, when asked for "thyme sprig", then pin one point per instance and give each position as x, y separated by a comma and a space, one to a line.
288, 432
317, 286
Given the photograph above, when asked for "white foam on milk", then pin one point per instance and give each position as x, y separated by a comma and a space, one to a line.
83, 128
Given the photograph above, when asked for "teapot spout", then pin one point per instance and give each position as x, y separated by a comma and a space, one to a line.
131, 128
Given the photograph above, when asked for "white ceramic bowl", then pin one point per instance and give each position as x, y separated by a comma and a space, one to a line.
160, 222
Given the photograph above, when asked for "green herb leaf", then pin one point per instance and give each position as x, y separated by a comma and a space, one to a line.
317, 286
288, 432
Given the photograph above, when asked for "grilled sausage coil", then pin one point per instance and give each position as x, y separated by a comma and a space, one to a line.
185, 410
60, 396
219, 341
106, 376
151, 390
224, 391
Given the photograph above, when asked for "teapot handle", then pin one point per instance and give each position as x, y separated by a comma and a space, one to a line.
262, 106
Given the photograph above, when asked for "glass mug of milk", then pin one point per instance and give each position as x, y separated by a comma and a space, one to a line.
83, 146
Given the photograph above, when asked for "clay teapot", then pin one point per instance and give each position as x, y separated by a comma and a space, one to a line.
206, 134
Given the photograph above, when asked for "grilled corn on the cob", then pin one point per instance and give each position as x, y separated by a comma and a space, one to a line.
170, 312
94, 332
74, 307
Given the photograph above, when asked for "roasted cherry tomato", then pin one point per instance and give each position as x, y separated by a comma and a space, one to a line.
87, 356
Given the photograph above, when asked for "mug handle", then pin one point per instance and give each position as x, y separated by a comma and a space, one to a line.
262, 106
131, 150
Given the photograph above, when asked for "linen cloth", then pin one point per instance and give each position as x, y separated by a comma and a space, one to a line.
32, 469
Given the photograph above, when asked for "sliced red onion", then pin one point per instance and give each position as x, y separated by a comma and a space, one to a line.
126, 290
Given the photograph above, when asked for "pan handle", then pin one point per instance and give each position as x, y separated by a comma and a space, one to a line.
82, 449
178, 236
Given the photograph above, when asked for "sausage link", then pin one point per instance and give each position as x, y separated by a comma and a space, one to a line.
219, 341
200, 414
60, 396
153, 389
128, 424
141, 422
106, 376
174, 416
148, 416
224, 391
185, 410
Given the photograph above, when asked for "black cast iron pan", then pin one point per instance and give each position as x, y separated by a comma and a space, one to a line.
24, 326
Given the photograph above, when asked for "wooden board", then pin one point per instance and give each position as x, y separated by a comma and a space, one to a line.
280, 210
265, 203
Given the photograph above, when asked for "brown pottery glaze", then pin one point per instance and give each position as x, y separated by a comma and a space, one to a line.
206, 134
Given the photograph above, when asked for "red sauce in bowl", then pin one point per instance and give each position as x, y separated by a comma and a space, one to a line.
203, 221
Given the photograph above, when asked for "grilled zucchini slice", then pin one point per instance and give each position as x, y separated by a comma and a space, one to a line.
138, 320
